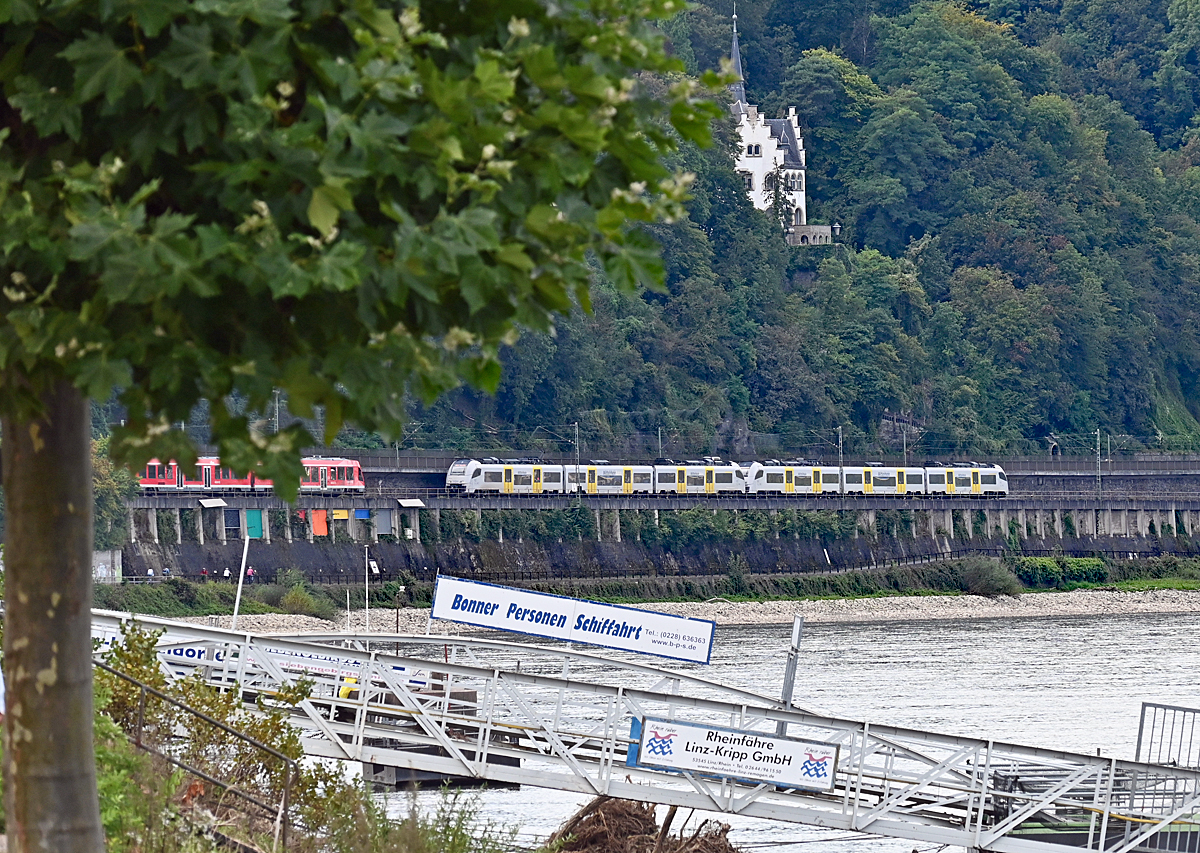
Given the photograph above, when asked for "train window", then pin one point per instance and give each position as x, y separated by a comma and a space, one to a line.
573, 477
989, 479
938, 479
867, 477
537, 475
628, 476
696, 479
975, 478
854, 478
1000, 474
759, 475
774, 478
830, 478
612, 481
478, 473
669, 476
884, 481
708, 475
914, 479
643, 478
522, 479
962, 481
787, 477
492, 477
899, 478
508, 475
803, 480
725, 477
592, 476
552, 476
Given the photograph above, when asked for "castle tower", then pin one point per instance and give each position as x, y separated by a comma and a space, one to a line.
771, 161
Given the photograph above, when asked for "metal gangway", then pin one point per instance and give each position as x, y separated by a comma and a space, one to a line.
556, 717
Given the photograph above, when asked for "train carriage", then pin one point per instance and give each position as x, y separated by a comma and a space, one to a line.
600, 477
321, 474
707, 476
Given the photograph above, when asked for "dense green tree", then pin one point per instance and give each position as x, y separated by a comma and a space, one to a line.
347, 201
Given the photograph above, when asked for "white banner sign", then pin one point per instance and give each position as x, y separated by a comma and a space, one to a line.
576, 620
752, 756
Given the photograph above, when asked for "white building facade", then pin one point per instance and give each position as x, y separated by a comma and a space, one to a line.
771, 163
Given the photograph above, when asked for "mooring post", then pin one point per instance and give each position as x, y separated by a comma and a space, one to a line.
789, 672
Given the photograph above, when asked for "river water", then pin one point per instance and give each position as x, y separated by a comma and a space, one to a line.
1066, 683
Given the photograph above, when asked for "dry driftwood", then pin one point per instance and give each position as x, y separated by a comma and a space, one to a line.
606, 825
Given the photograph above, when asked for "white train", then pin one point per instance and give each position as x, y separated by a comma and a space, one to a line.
711, 475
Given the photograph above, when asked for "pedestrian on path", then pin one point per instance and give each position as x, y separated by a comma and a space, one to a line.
227, 575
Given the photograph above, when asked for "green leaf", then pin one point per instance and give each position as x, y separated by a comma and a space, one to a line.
326, 205
100, 66
189, 55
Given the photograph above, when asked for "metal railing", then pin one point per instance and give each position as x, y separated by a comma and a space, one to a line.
515, 713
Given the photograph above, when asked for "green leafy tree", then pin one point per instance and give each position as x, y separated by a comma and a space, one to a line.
112, 489
348, 201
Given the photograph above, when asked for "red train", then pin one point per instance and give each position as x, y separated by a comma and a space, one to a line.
321, 474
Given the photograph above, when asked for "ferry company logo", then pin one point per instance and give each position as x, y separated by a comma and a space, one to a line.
659, 744
816, 767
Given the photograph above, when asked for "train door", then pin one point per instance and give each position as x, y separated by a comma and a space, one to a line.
591, 481
508, 480
975, 487
178, 476
324, 477
681, 481
900, 487
537, 480
207, 477
788, 485
709, 485
949, 482
868, 487
816, 486
627, 481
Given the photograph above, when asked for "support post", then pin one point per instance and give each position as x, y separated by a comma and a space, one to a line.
789, 671
152, 518
178, 526
200, 525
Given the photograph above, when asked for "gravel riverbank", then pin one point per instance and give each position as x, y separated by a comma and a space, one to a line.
906, 608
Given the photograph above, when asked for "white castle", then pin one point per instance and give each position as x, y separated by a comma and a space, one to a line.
771, 163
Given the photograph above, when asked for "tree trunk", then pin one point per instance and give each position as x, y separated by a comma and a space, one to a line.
49, 768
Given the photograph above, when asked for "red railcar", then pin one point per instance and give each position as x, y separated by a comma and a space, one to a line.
321, 474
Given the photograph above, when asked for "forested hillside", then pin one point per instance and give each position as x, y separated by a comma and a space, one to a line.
1020, 196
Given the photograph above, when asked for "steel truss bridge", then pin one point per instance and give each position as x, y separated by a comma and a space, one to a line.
554, 717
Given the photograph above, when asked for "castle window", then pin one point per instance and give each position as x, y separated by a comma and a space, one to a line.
747, 180
753, 150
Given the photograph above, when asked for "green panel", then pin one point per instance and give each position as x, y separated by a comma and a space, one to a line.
254, 523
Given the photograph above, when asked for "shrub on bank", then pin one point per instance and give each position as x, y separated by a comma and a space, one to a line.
1057, 572
990, 578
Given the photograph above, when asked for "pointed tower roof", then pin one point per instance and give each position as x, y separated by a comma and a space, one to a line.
735, 54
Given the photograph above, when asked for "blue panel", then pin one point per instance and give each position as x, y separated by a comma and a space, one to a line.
362, 513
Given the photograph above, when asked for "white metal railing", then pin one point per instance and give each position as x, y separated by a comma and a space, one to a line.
559, 718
